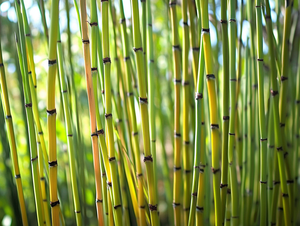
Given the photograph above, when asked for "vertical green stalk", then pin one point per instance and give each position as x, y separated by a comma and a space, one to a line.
116, 202
151, 91
187, 166
262, 126
132, 118
213, 110
231, 154
199, 152
177, 135
69, 131
148, 159
12, 140
225, 108
278, 130
26, 76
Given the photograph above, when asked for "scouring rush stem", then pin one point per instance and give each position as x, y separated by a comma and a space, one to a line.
212, 96
116, 199
143, 100
33, 84
285, 64
262, 125
177, 135
91, 103
132, 117
194, 42
12, 141
231, 139
225, 108
21, 49
199, 151
277, 124
151, 91
187, 166
69, 131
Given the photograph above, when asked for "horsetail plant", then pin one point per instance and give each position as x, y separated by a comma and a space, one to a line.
143, 100
12, 140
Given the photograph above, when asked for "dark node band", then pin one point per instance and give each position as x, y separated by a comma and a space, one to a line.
94, 134
126, 58
210, 76
198, 96
185, 23
276, 182
283, 78
85, 41
51, 112
271, 146
261, 60
138, 49
153, 141
45, 200
53, 163
104, 0
201, 170
129, 94
187, 171
111, 159
223, 21
214, 171
285, 195
200, 209
8, 117
93, 24
117, 206
70, 135
135, 133
229, 191
273, 224
186, 142
290, 181
235, 217
28, 105
51, 62
245, 136
17, 176
232, 20
172, 4
106, 60
103, 174
35, 158
109, 184
150, 25
177, 81
263, 182
122, 20
177, 168
176, 135
142, 207
214, 126
205, 30
29, 72
196, 49
152, 207
143, 100
176, 47
194, 194
139, 175
185, 83
231, 134
58, 41
151, 61
93, 69
225, 118
297, 101
279, 149
77, 211
148, 158
175, 204
102, 91
186, 209
254, 86
263, 139
100, 132
108, 115
202, 123
282, 124
257, 6
233, 79
280, 208
274, 92
42, 178
1, 64
52, 204
223, 185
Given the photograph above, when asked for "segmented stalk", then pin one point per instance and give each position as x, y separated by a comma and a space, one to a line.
12, 140
132, 117
148, 159
214, 126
